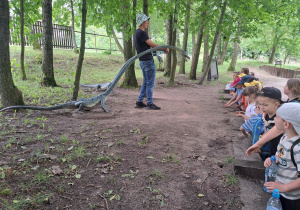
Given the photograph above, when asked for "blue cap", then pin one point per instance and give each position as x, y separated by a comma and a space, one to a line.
273, 158
275, 193
244, 79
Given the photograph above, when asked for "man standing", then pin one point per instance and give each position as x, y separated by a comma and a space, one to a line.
143, 43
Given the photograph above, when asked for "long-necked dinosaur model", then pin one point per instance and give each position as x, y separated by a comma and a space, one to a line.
87, 103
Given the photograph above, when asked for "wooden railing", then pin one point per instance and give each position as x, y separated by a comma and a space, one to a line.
280, 72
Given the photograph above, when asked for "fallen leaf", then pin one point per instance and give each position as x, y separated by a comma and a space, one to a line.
201, 195
77, 176
109, 144
56, 170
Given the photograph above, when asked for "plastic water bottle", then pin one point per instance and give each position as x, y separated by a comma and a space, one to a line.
271, 172
274, 202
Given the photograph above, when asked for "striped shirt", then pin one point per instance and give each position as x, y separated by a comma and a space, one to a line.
287, 172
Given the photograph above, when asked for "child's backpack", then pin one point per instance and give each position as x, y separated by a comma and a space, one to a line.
292, 155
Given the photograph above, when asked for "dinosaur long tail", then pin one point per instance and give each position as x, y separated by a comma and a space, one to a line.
61, 106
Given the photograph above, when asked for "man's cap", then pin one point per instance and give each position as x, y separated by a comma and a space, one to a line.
244, 79
141, 18
236, 80
270, 92
290, 112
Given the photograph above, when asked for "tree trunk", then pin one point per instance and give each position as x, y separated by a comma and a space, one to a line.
174, 56
169, 42
81, 53
146, 12
236, 50
212, 50
185, 38
23, 74
47, 61
73, 27
116, 39
219, 50
272, 55
287, 54
206, 51
196, 52
129, 77
234, 57
133, 24
10, 94
224, 51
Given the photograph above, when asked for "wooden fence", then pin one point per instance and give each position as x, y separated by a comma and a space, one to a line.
62, 37
280, 72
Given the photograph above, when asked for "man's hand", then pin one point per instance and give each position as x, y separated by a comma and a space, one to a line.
167, 50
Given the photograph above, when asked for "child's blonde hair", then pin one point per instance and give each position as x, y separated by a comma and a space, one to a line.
294, 86
251, 90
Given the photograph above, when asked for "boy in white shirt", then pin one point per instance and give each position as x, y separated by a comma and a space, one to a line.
287, 156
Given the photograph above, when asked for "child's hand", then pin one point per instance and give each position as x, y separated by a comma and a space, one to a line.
254, 148
275, 185
267, 162
226, 105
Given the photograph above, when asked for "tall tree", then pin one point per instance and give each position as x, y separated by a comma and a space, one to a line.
168, 62
10, 94
116, 39
146, 12
212, 50
219, 45
81, 53
129, 77
226, 39
174, 57
196, 52
73, 27
206, 50
47, 61
185, 37
236, 49
23, 74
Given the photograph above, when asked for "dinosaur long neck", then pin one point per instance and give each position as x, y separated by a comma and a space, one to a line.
131, 60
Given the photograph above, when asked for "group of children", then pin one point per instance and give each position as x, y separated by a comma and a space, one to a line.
275, 129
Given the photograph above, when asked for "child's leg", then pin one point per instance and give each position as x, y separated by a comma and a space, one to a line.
288, 204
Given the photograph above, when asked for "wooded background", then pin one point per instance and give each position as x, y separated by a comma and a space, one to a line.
227, 29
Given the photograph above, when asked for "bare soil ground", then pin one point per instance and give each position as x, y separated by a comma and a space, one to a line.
179, 157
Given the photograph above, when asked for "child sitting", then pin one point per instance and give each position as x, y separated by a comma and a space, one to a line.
256, 126
250, 94
240, 87
270, 99
288, 157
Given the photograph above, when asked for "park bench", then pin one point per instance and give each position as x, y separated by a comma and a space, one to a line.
278, 63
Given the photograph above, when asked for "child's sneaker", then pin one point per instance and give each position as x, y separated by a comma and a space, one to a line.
152, 107
140, 105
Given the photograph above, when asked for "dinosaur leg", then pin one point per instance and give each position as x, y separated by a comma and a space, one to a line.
103, 105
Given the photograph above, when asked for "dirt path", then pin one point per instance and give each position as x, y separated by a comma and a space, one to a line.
177, 158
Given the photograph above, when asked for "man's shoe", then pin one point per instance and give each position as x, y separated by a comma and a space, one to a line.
152, 107
140, 105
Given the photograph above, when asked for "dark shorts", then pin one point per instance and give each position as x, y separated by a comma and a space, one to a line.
288, 204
